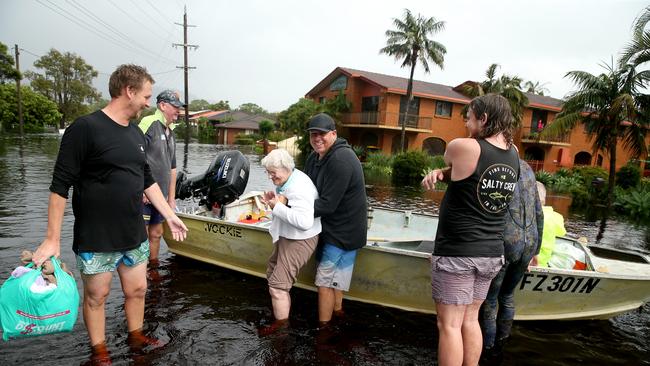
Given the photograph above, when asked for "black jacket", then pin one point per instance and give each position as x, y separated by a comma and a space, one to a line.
342, 203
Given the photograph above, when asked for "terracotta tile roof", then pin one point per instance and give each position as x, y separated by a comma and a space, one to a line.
398, 85
544, 102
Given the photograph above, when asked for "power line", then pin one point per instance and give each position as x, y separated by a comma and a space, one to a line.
135, 3
85, 25
31, 53
115, 30
98, 32
137, 21
159, 12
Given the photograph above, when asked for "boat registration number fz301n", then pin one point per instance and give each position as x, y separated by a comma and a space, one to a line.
546, 282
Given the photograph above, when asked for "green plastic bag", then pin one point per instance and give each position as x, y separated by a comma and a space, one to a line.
24, 313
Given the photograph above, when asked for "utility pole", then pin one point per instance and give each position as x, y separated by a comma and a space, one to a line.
18, 95
185, 68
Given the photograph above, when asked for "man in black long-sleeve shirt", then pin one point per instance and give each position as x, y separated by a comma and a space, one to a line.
102, 157
342, 206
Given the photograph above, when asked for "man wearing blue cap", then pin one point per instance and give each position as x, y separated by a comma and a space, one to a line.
160, 148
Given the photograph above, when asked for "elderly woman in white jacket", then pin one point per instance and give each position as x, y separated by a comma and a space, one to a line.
294, 231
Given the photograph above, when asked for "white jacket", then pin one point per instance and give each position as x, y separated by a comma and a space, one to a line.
296, 221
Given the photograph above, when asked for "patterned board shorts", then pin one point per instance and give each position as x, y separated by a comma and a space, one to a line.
462, 280
101, 262
335, 267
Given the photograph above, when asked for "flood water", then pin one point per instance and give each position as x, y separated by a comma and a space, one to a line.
210, 315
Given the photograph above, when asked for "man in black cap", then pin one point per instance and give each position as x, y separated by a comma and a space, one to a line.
342, 206
160, 148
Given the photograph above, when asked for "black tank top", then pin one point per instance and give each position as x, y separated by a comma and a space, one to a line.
472, 211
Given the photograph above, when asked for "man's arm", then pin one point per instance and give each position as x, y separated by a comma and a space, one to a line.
51, 246
155, 196
171, 196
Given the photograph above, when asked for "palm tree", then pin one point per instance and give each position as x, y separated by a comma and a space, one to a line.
505, 85
638, 50
410, 42
535, 87
611, 108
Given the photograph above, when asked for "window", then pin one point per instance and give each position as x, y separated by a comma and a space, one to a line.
414, 111
322, 100
538, 121
369, 108
340, 83
443, 109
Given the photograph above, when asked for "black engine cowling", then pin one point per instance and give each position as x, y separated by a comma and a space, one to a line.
222, 183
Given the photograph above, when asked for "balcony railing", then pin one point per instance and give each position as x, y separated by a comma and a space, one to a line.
387, 119
532, 133
536, 165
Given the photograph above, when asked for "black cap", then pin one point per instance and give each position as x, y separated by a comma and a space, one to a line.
322, 122
171, 97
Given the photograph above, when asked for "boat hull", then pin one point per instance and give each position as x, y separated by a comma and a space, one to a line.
397, 273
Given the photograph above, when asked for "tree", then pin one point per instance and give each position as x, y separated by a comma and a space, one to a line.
38, 111
611, 108
266, 127
67, 80
252, 108
7, 70
637, 51
199, 105
535, 87
338, 105
507, 86
410, 42
294, 120
221, 105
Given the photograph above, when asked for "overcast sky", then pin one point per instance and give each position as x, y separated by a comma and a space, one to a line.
272, 52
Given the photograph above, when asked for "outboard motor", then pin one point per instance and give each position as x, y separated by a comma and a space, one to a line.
223, 182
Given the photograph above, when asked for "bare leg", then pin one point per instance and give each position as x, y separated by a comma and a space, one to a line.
326, 300
338, 300
450, 337
134, 286
281, 302
96, 290
472, 337
155, 232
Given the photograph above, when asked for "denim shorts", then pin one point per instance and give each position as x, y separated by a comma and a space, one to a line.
101, 262
462, 280
150, 215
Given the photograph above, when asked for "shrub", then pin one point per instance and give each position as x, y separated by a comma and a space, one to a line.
277, 136
379, 163
628, 176
635, 204
544, 177
409, 167
359, 151
588, 173
243, 139
436, 162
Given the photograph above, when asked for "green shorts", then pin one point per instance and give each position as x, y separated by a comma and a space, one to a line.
101, 262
